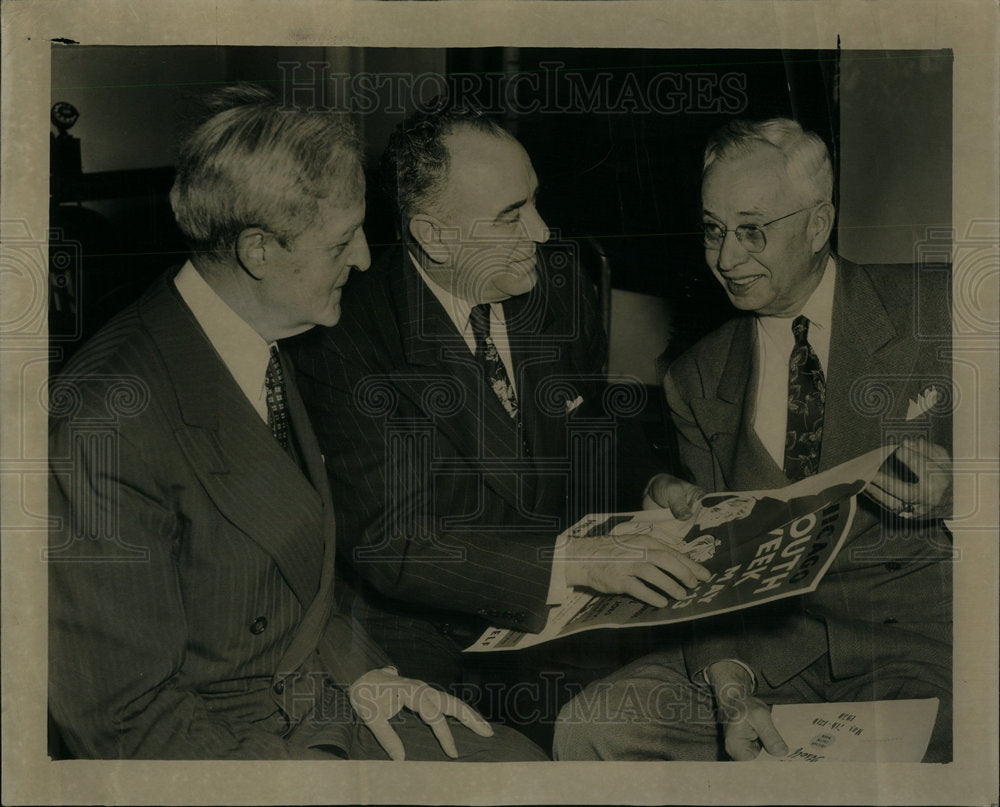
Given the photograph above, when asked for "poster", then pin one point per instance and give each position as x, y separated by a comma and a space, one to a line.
759, 546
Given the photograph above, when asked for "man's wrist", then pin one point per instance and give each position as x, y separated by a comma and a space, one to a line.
559, 589
705, 673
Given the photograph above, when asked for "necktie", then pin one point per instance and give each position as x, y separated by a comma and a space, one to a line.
489, 358
277, 406
806, 402
494, 371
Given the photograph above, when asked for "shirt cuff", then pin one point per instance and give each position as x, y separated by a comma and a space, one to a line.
559, 592
702, 674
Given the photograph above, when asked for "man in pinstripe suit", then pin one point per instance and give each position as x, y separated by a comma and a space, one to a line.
193, 610
465, 418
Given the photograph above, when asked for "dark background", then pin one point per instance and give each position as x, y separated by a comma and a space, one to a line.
623, 171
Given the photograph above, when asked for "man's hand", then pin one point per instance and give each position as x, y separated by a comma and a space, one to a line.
915, 482
379, 695
667, 491
746, 720
630, 564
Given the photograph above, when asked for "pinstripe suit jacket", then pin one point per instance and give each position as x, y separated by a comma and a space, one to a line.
191, 560
889, 591
441, 507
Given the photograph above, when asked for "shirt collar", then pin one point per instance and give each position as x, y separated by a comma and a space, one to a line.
818, 308
244, 352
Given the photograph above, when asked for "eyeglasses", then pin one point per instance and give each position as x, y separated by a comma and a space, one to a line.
750, 236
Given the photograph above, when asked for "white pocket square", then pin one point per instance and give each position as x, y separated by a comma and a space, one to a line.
571, 405
924, 403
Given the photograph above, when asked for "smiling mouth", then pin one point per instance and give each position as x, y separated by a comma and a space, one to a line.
740, 284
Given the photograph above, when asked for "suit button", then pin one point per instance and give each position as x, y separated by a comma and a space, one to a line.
893, 566
258, 626
278, 687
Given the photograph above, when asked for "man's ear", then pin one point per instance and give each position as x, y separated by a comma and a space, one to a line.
251, 251
428, 232
821, 225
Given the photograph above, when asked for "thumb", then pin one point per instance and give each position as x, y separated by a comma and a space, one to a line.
681, 497
768, 735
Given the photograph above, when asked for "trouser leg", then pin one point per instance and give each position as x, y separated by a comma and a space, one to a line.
648, 710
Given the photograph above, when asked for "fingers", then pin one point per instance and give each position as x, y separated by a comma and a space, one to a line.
467, 716
387, 738
637, 589
914, 481
768, 735
442, 731
681, 499
434, 707
748, 726
631, 569
674, 494
741, 748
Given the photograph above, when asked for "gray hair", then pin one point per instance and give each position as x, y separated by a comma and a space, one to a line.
253, 163
807, 159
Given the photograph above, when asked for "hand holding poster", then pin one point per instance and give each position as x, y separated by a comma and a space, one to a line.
759, 546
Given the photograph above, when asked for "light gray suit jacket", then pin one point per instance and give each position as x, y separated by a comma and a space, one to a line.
889, 591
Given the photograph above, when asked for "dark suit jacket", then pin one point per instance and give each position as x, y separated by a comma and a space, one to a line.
889, 591
191, 560
440, 506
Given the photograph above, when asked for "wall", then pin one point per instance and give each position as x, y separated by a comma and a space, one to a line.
896, 136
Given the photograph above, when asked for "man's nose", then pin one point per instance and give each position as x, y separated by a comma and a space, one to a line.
538, 230
360, 257
731, 253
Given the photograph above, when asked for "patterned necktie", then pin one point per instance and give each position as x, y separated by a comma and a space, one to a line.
806, 402
494, 370
277, 406
489, 358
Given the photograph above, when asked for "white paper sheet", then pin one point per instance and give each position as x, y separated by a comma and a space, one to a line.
878, 731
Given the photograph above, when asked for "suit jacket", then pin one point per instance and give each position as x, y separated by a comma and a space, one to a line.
441, 506
191, 565
889, 590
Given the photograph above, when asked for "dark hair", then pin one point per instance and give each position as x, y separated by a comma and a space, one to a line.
414, 166
252, 163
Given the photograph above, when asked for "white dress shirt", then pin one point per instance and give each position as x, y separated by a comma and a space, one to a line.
241, 348
458, 311
775, 341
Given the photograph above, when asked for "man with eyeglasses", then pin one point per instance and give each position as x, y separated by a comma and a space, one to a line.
836, 360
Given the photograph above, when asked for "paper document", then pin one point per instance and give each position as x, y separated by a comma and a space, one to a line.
878, 731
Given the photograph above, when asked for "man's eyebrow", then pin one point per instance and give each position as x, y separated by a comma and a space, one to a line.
512, 208
517, 205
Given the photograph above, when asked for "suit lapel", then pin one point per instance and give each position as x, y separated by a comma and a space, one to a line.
444, 379
250, 479
867, 357
726, 419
